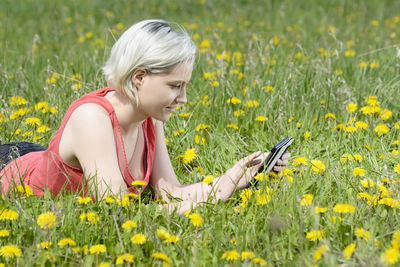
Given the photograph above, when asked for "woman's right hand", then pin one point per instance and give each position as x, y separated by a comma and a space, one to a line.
245, 169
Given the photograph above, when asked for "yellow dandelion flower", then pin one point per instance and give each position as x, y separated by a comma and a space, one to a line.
199, 140
84, 200
315, 235
320, 209
33, 121
318, 166
381, 129
252, 104
350, 129
208, 179
330, 116
42, 106
10, 251
367, 183
139, 239
346, 158
126, 199
261, 118
161, 256
234, 100
205, 44
238, 112
385, 114
350, 53
339, 127
260, 261
90, 217
344, 208
42, 129
97, 249
268, 88
66, 242
319, 252
16, 114
307, 135
44, 245
261, 176
129, 224
396, 168
358, 157
4, 233
263, 199
8, 214
306, 200
172, 239
128, 258
25, 189
196, 219
46, 220
349, 250
361, 125
230, 255
300, 161
178, 132
362, 233
359, 172
351, 107
163, 234
247, 255
139, 183
246, 194
391, 202
233, 126
390, 256
202, 127
17, 101
110, 199
189, 156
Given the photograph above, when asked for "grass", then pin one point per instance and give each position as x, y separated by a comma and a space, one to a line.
317, 56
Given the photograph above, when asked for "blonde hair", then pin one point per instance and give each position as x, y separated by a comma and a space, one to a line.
152, 45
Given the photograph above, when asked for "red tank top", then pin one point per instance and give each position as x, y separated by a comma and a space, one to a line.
47, 170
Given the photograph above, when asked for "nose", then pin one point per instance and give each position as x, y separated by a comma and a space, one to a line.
181, 98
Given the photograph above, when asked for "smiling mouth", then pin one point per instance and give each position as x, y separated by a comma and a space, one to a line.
172, 109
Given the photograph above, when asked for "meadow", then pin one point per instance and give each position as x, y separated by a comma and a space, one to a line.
324, 72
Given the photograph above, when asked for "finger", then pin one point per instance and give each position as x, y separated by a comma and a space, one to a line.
285, 156
278, 168
251, 157
282, 162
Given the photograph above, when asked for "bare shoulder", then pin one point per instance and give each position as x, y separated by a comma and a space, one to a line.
88, 126
89, 115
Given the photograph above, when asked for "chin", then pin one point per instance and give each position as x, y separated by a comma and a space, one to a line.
163, 118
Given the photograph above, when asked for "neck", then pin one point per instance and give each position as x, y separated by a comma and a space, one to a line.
129, 116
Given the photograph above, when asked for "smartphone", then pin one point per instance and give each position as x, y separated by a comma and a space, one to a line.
276, 153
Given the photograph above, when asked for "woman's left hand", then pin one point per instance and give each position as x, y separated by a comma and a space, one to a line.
282, 162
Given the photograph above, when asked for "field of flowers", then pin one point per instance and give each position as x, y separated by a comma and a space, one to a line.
323, 72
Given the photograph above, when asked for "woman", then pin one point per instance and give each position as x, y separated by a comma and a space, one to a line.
114, 136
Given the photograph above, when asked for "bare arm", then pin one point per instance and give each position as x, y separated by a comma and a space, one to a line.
94, 147
165, 182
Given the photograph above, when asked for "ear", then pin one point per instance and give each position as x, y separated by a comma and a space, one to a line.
137, 77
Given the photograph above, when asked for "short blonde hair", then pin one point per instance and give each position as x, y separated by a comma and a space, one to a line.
152, 45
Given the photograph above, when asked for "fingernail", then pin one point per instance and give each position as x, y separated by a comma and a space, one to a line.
254, 162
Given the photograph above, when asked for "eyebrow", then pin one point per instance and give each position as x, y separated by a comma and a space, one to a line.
177, 81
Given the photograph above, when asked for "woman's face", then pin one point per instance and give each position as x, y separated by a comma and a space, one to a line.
159, 94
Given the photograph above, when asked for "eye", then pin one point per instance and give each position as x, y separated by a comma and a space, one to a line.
175, 86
